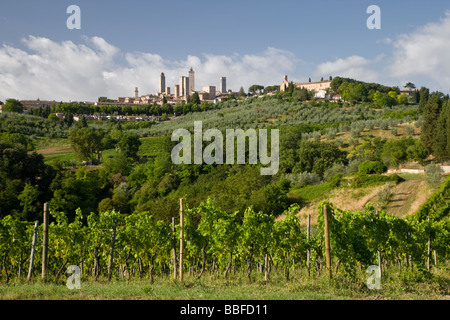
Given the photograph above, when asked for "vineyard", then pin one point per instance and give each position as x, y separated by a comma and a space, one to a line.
114, 246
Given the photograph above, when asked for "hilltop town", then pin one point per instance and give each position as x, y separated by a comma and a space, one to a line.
180, 95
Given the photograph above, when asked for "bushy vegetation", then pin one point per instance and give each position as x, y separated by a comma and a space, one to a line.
370, 167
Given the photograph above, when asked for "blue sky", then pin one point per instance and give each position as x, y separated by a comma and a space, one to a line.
253, 41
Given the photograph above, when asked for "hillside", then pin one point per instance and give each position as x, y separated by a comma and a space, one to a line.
406, 198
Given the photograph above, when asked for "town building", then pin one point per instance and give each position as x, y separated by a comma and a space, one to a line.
181, 92
310, 86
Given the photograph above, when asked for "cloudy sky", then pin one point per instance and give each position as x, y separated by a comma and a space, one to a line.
127, 44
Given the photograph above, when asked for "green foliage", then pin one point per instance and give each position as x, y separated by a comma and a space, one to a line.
371, 167
304, 178
384, 99
314, 192
29, 201
433, 174
336, 169
271, 199
256, 88
86, 143
81, 189
129, 144
317, 157
352, 90
30, 125
385, 194
21, 139
402, 150
12, 105
365, 180
24, 181
432, 207
430, 120
357, 237
424, 95
216, 239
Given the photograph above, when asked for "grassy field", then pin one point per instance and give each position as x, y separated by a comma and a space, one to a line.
394, 286
60, 150
151, 147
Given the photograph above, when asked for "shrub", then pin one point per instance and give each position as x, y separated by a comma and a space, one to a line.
410, 131
316, 135
433, 174
372, 167
365, 180
337, 168
356, 132
331, 133
310, 193
384, 124
343, 128
353, 142
353, 166
339, 142
305, 178
385, 194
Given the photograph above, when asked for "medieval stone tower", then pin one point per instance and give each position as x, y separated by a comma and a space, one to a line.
223, 85
191, 81
162, 83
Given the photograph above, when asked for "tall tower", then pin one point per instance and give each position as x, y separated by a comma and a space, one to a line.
186, 82
184, 86
136, 92
191, 81
162, 83
223, 85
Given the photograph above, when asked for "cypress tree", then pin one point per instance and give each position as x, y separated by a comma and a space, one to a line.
448, 128
83, 122
430, 118
424, 97
440, 142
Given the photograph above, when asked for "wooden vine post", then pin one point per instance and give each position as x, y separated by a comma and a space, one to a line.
327, 239
429, 248
308, 253
174, 250
181, 239
45, 243
111, 252
33, 250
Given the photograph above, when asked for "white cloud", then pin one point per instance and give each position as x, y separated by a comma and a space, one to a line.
355, 67
424, 54
421, 56
385, 41
69, 71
